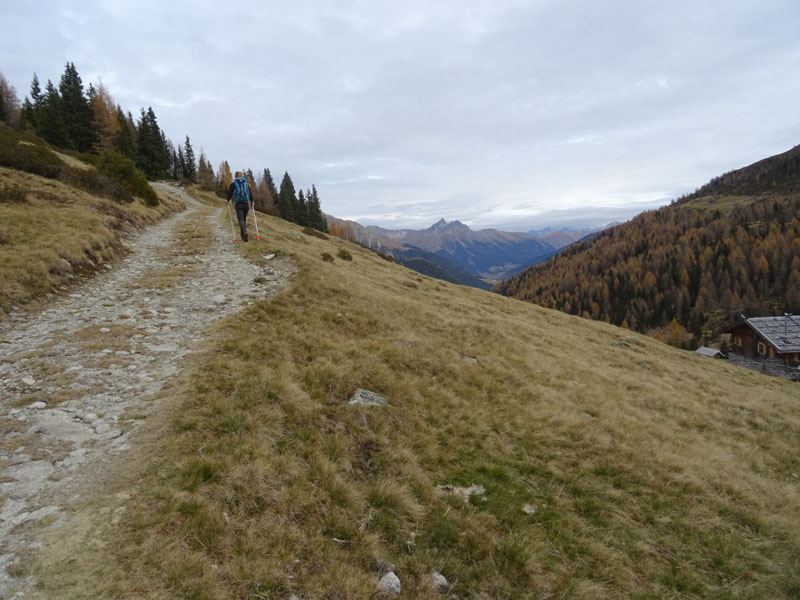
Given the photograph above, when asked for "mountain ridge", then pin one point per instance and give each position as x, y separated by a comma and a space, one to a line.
685, 271
489, 254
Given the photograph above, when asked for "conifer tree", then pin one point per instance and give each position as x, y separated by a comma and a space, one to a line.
273, 191
50, 121
205, 173
287, 198
153, 155
75, 110
178, 164
32, 109
125, 140
315, 217
251, 182
301, 210
190, 165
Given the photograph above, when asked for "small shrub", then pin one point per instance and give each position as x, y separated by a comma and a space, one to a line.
23, 155
313, 232
327, 257
123, 170
12, 193
95, 183
344, 254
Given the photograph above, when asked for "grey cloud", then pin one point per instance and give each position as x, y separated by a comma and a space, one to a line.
505, 112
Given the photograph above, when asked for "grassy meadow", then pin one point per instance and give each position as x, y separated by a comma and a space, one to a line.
614, 466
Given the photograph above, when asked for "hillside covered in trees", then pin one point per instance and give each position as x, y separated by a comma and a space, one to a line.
684, 272
92, 126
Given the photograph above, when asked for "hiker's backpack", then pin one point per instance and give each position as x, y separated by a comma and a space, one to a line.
240, 191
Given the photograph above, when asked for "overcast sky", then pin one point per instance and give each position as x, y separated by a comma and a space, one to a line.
500, 113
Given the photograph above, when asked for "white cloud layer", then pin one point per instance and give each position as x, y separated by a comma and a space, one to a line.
511, 114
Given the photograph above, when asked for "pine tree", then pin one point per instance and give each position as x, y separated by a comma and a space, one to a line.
125, 140
190, 170
32, 109
270, 185
166, 151
251, 182
153, 156
287, 198
315, 217
205, 173
178, 164
301, 210
75, 110
50, 122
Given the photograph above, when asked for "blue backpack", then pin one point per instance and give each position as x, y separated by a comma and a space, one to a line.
240, 191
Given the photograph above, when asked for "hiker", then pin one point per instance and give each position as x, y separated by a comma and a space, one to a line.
242, 201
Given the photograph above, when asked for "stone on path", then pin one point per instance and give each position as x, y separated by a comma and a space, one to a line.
28, 381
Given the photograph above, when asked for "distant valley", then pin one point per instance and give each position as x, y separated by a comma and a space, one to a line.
451, 251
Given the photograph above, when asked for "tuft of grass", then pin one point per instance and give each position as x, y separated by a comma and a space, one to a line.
12, 193
327, 257
602, 479
344, 254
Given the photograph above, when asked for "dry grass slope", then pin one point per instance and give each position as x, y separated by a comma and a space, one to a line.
57, 232
652, 472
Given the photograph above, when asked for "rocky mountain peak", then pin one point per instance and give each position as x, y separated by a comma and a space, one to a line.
443, 226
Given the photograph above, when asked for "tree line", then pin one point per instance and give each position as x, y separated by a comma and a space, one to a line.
90, 123
680, 274
302, 207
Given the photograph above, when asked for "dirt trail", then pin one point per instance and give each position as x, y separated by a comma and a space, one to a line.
77, 378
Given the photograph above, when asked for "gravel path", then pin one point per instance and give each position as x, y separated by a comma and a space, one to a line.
77, 378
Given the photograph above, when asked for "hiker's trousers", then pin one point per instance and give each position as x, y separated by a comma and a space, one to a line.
242, 208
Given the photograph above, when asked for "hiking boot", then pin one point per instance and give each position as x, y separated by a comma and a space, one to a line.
244, 237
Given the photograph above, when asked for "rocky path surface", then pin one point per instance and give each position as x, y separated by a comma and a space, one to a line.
77, 378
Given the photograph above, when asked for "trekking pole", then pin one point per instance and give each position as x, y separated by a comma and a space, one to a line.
233, 231
258, 237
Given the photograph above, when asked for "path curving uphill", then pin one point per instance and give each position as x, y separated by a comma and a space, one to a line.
76, 378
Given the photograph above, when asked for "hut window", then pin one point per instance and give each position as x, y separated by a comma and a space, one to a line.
762, 348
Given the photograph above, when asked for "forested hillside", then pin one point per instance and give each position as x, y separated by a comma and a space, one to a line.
776, 174
90, 124
680, 273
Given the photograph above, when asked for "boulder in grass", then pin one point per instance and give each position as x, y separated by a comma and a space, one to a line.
390, 584
439, 583
367, 398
